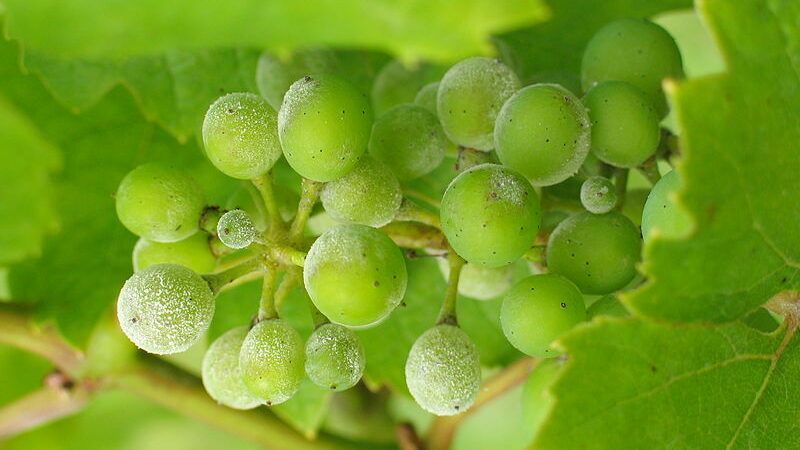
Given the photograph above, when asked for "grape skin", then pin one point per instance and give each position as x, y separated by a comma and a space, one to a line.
221, 375
334, 357
396, 84
165, 308
481, 283
192, 252
443, 371
160, 203
661, 216
426, 97
272, 361
490, 215
236, 230
598, 195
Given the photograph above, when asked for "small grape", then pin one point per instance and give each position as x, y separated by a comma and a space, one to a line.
443, 371
240, 134
397, 84
490, 215
334, 357
539, 309
409, 139
355, 275
481, 283
165, 308
543, 131
324, 125
271, 361
193, 253
369, 195
536, 398
236, 230
625, 126
596, 252
661, 216
598, 195
635, 51
426, 97
222, 377
470, 97
160, 203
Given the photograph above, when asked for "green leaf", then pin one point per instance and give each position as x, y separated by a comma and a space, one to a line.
630, 384
739, 173
437, 30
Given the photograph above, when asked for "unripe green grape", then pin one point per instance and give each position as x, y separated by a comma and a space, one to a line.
470, 96
443, 371
396, 84
661, 216
334, 357
481, 283
625, 126
160, 203
165, 308
490, 215
271, 361
426, 97
408, 139
355, 275
369, 195
536, 400
636, 51
596, 252
543, 132
539, 309
598, 195
222, 377
236, 229
192, 252
324, 125
608, 305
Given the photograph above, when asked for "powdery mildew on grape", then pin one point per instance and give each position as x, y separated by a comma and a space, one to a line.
334, 357
598, 195
271, 361
409, 139
165, 308
235, 229
509, 186
443, 371
222, 377
369, 195
481, 283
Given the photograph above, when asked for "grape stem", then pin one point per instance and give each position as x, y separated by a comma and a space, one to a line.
210, 218
290, 281
470, 157
411, 193
264, 186
448, 312
411, 212
415, 235
535, 254
266, 307
649, 169
287, 256
308, 198
45, 405
621, 185
217, 281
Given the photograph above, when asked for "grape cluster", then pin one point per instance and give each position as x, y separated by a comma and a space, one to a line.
541, 187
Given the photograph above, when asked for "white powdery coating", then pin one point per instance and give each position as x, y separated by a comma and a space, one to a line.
221, 375
598, 195
443, 371
271, 361
334, 357
165, 308
481, 283
369, 195
235, 229
508, 186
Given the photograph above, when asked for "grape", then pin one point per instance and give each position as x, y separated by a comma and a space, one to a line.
470, 97
273, 77
536, 399
369, 195
443, 371
192, 252
539, 309
625, 126
426, 97
543, 132
634, 205
596, 252
409, 139
490, 215
397, 84
165, 308
324, 126
355, 275
160, 203
236, 230
635, 51
334, 357
271, 361
222, 377
608, 305
661, 216
481, 283
598, 195
240, 134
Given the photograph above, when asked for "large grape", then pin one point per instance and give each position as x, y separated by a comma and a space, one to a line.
539, 309
490, 215
596, 252
160, 203
443, 371
369, 195
192, 252
598, 195
625, 126
236, 229
397, 84
426, 97
165, 308
481, 283
271, 361
355, 275
661, 216
470, 97
334, 357
543, 132
635, 51
222, 377
324, 126
240, 134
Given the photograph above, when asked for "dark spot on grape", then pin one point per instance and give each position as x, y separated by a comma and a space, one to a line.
457, 407
376, 283
563, 305
269, 403
134, 319
333, 387
653, 369
306, 78
227, 231
783, 280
